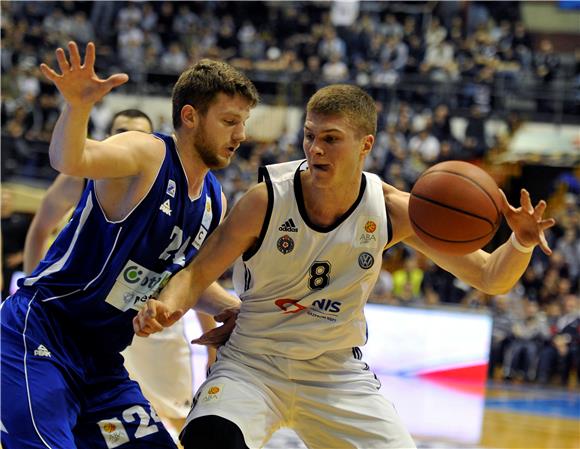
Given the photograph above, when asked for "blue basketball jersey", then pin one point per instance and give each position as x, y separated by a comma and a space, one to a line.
98, 273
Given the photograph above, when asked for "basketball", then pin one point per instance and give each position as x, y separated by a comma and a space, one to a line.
455, 207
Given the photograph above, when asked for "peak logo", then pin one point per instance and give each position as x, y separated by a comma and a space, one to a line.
289, 305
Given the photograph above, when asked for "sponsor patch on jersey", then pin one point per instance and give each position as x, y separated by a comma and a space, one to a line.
325, 309
288, 226
365, 260
285, 244
213, 393
200, 237
366, 233
166, 208
113, 432
289, 305
135, 285
171, 188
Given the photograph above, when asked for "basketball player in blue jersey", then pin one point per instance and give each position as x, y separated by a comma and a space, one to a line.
310, 239
146, 359
149, 205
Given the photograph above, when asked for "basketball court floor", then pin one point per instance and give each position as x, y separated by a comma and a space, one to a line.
498, 416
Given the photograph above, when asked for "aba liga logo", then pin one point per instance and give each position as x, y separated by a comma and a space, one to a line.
365, 260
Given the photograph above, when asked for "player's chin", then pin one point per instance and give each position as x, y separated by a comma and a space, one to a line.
221, 162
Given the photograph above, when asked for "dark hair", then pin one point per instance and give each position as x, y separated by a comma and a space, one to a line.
200, 84
349, 101
130, 113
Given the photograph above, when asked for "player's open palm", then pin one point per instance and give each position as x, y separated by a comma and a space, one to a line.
78, 83
527, 221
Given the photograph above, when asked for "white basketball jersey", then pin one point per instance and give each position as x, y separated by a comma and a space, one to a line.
304, 287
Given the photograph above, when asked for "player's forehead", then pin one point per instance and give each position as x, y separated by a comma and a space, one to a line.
317, 122
124, 123
230, 105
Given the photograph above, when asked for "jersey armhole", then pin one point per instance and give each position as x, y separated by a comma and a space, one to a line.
263, 176
389, 227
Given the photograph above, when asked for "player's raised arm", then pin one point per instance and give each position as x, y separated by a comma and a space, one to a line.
70, 150
493, 273
194, 286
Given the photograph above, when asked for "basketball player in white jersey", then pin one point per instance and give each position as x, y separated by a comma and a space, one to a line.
146, 360
310, 239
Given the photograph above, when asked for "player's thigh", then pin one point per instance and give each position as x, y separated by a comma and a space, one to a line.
121, 417
242, 398
348, 419
38, 405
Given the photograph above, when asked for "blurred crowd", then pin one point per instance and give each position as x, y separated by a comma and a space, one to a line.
536, 326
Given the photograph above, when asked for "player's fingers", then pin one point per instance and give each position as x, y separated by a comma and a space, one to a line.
49, 73
547, 223
63, 64
75, 56
151, 309
540, 209
506, 206
544, 245
116, 80
89, 56
171, 318
526, 202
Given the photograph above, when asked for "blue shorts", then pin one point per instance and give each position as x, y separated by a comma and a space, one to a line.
56, 395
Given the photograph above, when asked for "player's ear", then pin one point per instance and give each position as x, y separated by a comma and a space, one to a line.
188, 116
367, 144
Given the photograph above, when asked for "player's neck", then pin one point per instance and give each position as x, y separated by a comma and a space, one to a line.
326, 204
195, 169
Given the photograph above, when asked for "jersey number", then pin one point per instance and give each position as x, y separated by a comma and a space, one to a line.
319, 278
177, 246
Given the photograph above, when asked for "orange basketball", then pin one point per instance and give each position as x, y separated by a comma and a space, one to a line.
455, 207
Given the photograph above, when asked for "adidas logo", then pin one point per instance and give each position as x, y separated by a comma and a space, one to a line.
41, 351
288, 226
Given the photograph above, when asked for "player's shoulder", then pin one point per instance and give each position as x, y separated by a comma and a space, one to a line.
391, 193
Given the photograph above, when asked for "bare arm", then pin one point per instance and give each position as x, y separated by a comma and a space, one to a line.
233, 237
70, 150
61, 196
491, 273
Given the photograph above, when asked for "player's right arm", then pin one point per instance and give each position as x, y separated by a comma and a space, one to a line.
70, 151
61, 196
237, 234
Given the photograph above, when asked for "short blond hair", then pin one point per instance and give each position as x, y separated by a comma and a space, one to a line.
349, 101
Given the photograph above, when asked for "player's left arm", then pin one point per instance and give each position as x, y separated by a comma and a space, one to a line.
493, 273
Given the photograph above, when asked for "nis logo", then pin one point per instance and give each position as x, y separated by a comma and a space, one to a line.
320, 306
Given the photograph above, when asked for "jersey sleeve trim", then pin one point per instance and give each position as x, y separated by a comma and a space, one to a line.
263, 176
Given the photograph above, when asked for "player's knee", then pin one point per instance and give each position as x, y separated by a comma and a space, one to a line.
210, 432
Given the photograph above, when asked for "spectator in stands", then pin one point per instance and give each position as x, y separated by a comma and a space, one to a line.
425, 146
14, 227
502, 332
529, 333
563, 351
407, 281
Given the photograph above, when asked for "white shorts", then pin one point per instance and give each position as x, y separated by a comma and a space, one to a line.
332, 401
162, 365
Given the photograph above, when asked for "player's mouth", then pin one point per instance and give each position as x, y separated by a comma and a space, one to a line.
321, 167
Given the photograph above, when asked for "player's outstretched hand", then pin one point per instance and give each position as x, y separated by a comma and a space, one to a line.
527, 221
154, 317
78, 84
219, 335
